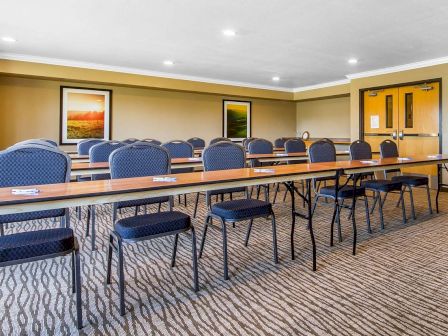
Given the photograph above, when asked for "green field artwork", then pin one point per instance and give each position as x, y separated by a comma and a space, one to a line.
85, 116
237, 121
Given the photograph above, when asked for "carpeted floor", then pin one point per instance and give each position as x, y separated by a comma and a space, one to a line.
395, 285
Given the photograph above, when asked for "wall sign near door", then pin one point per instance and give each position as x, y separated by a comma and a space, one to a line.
375, 121
85, 113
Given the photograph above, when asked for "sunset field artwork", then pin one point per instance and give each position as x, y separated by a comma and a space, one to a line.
84, 116
236, 119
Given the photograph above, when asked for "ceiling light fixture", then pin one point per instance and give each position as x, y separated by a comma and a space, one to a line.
275, 78
9, 39
168, 62
229, 32
352, 61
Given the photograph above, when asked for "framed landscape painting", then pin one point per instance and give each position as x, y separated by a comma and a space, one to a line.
85, 114
236, 119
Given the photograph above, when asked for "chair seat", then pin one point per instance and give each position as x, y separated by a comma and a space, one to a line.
344, 192
33, 244
382, 185
133, 203
152, 224
241, 209
411, 180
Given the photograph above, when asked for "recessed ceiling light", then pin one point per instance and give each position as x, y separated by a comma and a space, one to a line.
352, 61
8, 39
229, 32
168, 62
275, 78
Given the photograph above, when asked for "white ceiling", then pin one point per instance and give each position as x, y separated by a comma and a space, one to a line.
303, 42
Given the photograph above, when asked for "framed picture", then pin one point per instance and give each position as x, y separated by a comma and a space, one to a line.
236, 119
85, 114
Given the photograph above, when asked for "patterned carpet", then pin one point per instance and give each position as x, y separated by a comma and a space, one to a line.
395, 285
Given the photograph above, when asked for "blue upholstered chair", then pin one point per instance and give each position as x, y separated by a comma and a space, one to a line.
388, 149
51, 142
144, 159
197, 143
294, 145
84, 146
180, 149
280, 142
227, 155
215, 140
325, 151
39, 142
246, 142
153, 141
33, 165
130, 141
260, 146
99, 153
361, 150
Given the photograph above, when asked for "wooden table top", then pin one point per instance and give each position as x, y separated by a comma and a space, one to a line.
53, 196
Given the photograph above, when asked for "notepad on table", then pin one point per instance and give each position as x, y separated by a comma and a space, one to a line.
369, 161
164, 179
281, 154
264, 170
404, 159
433, 156
26, 192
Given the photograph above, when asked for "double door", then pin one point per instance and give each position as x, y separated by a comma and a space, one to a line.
408, 115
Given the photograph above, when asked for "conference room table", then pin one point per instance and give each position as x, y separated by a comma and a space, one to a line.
73, 194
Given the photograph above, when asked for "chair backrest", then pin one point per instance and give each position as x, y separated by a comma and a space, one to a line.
101, 151
51, 142
179, 149
215, 140
139, 159
224, 155
38, 142
388, 149
280, 142
295, 145
360, 150
32, 165
84, 146
322, 151
246, 142
260, 146
153, 141
196, 142
130, 141
327, 140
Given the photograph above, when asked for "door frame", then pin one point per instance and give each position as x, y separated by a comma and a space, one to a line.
361, 103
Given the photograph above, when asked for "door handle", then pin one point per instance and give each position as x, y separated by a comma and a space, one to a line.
394, 135
400, 135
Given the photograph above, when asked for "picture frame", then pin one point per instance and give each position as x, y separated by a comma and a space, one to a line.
236, 119
85, 113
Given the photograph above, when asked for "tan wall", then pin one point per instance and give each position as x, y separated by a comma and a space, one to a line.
324, 117
29, 108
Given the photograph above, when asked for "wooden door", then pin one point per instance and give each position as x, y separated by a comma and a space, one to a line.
380, 117
418, 124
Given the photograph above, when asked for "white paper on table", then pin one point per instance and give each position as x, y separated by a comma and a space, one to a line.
164, 179
264, 170
31, 192
404, 159
375, 121
369, 161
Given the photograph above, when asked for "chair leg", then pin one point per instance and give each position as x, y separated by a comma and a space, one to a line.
277, 187
399, 200
366, 204
173, 256
178, 199
89, 215
403, 210
335, 210
137, 209
109, 259
145, 209
78, 288
121, 276
204, 234
2, 230
194, 260
231, 196
411, 196
73, 272
185, 199
375, 200
93, 227
224, 249
159, 207
380, 209
258, 192
78, 212
428, 194
338, 222
274, 238
196, 202
316, 198
249, 228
